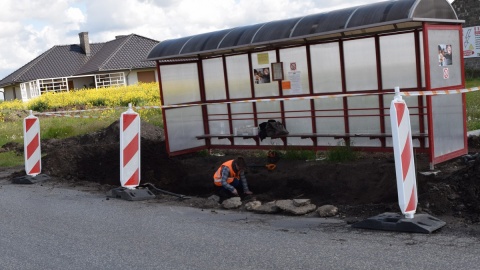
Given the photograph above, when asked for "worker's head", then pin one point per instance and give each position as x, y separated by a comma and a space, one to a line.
240, 163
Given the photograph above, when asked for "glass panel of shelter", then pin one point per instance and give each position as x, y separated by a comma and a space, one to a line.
360, 75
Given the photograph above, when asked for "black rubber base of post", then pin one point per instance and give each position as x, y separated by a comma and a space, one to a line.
420, 223
137, 194
28, 179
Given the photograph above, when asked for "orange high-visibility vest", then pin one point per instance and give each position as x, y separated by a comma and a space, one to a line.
217, 177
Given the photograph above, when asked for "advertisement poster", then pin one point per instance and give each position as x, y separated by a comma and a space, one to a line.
261, 75
445, 54
471, 42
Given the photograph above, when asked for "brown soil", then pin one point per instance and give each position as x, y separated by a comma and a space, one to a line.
361, 188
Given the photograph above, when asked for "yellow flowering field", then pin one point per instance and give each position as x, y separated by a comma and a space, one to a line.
143, 94
105, 105
139, 95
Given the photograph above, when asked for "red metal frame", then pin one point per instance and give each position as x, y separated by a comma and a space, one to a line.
346, 122
312, 102
280, 94
252, 93
162, 100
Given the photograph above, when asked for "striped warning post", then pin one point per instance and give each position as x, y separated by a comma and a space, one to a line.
403, 152
130, 148
31, 142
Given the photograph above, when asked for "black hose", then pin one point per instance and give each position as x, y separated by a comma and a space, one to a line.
150, 185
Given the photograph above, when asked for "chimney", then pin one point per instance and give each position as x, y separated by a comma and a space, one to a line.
84, 43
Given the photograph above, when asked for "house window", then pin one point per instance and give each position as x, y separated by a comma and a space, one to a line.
146, 76
23, 91
110, 79
34, 91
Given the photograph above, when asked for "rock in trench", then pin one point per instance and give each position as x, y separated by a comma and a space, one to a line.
289, 206
234, 202
327, 210
250, 206
267, 208
212, 202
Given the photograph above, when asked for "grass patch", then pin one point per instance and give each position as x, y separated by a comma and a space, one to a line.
471, 75
202, 153
59, 132
11, 132
61, 127
10, 159
299, 154
473, 105
473, 110
472, 82
341, 153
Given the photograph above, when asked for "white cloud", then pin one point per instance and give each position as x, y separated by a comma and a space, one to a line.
75, 16
30, 27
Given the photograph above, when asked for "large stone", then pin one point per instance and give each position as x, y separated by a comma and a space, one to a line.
212, 202
301, 202
234, 202
289, 206
267, 208
214, 198
250, 206
327, 210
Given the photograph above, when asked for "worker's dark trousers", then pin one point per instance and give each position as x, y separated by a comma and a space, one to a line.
224, 193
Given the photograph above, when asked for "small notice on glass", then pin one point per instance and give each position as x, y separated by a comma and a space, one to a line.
295, 82
277, 71
262, 59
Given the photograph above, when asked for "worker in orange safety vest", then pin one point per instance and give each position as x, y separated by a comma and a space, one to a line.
230, 178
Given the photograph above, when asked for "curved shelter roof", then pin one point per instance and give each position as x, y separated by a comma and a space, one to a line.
392, 15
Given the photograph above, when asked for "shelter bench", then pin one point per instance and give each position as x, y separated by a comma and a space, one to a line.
312, 136
227, 136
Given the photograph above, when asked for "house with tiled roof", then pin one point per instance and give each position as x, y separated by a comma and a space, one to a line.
85, 65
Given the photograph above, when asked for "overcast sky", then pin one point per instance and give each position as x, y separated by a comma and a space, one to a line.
30, 27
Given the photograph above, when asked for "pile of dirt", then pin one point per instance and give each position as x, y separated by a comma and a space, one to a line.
364, 187
96, 157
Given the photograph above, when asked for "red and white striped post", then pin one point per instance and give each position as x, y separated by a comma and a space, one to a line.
31, 144
403, 152
130, 148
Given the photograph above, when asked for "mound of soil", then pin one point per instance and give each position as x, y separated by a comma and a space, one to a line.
360, 188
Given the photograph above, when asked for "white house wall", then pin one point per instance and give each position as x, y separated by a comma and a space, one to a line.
11, 94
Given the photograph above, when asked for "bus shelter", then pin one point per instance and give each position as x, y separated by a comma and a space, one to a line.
328, 77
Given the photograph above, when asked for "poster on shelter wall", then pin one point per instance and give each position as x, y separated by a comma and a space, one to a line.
261, 75
444, 57
471, 42
445, 54
263, 58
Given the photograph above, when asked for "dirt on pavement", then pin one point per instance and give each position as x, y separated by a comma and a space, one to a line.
361, 188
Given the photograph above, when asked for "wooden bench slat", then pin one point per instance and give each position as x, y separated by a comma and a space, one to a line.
224, 136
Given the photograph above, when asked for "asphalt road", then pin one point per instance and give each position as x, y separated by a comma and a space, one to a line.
53, 227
